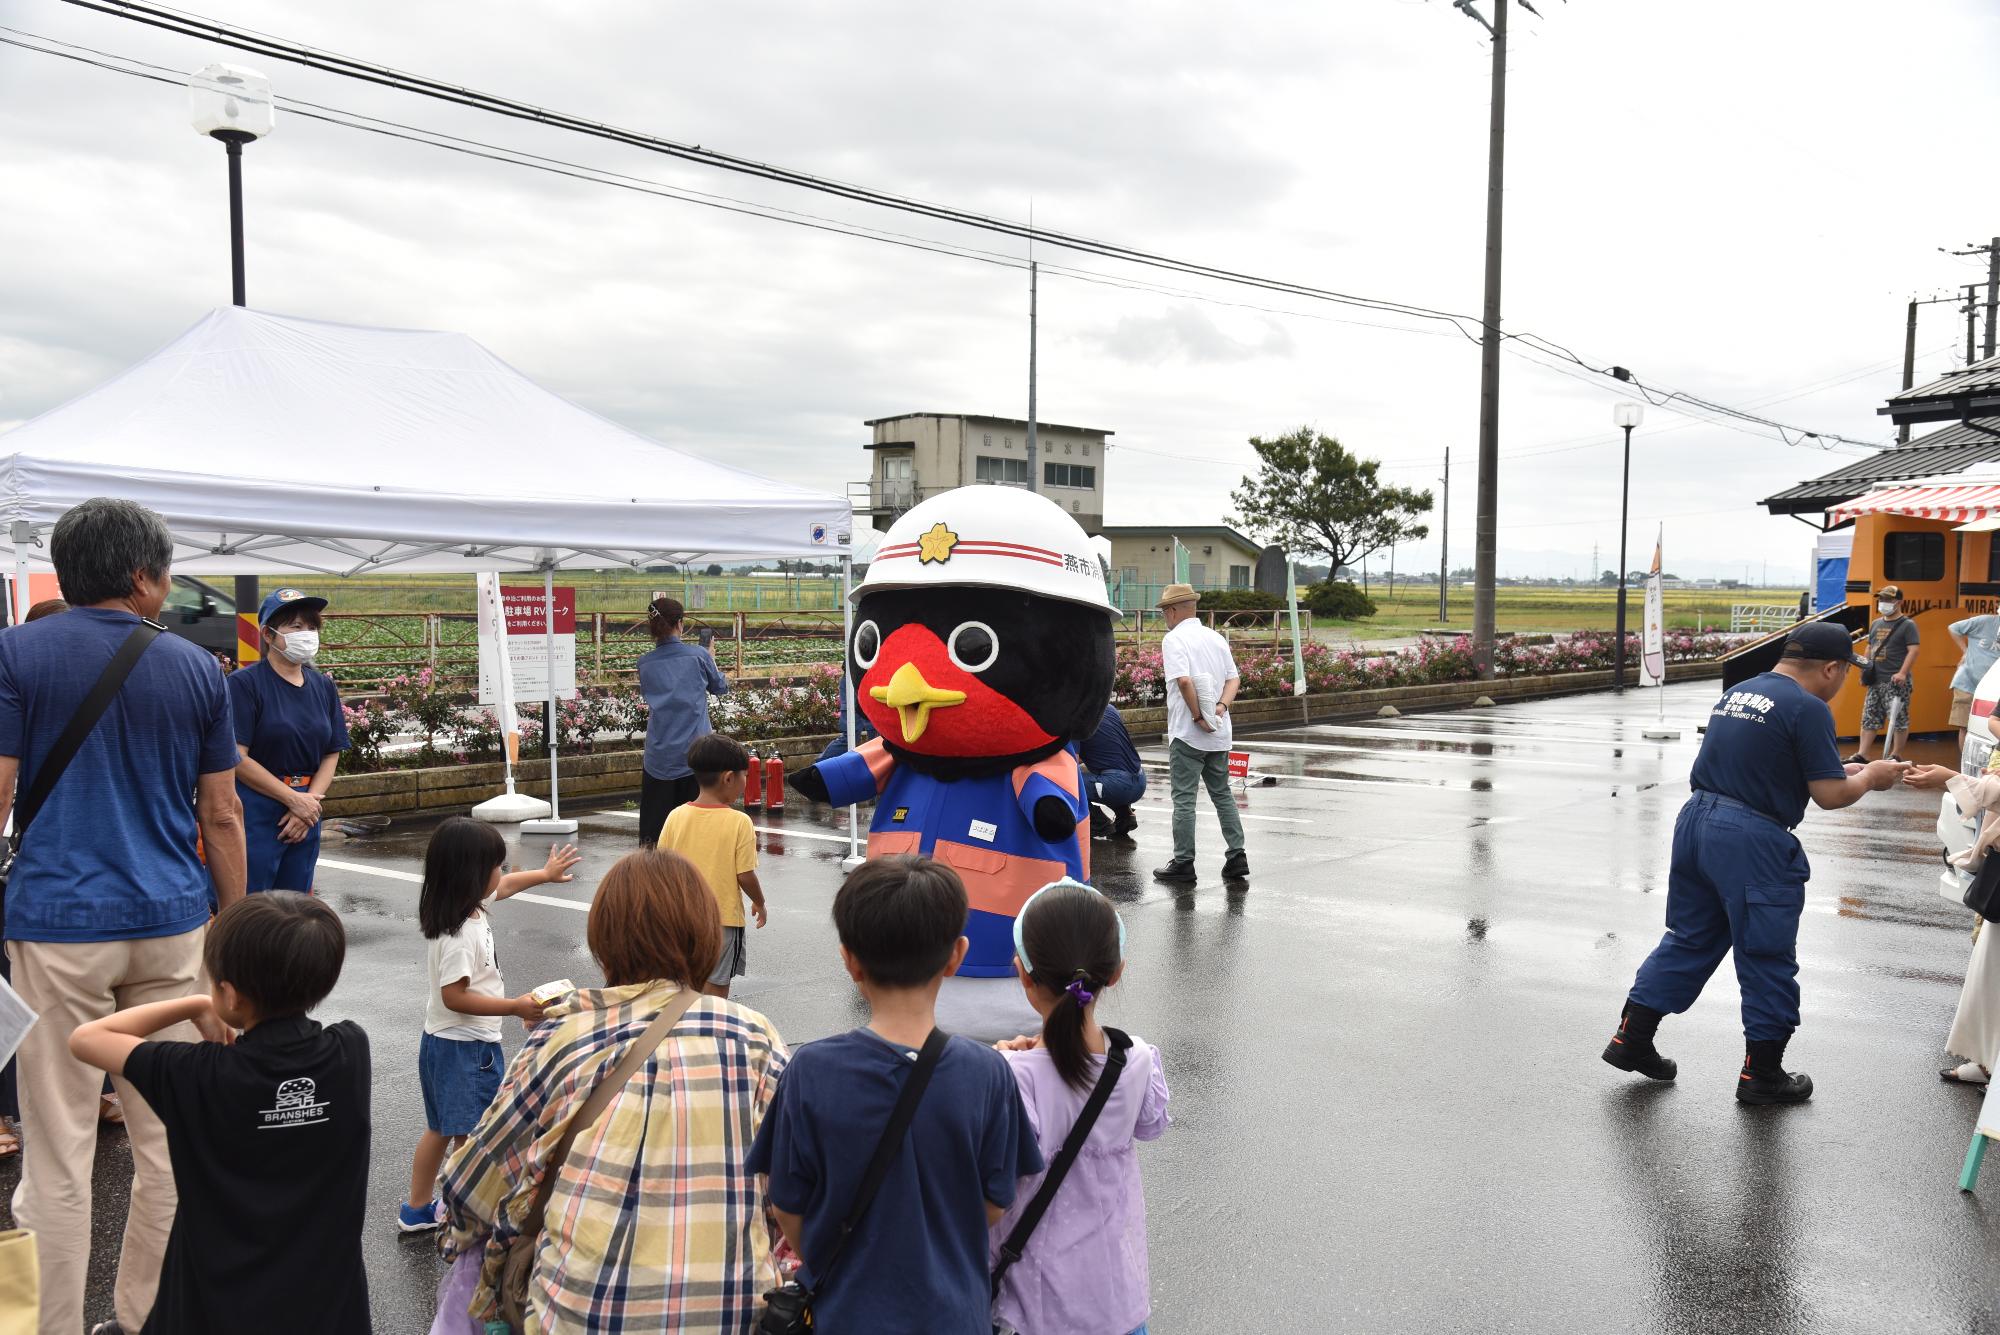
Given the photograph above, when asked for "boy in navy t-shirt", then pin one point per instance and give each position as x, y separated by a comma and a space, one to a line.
917, 1260
268, 1135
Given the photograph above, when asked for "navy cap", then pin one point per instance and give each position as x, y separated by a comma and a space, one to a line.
287, 600
1821, 641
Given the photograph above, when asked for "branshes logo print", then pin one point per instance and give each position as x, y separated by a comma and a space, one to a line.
297, 1104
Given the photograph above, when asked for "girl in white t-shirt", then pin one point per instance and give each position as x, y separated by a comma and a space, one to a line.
459, 1059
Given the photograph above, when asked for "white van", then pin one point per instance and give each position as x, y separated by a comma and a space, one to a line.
1955, 830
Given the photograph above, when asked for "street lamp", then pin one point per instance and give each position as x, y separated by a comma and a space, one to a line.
231, 103
1627, 416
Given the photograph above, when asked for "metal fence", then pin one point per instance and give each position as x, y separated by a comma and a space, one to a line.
1761, 618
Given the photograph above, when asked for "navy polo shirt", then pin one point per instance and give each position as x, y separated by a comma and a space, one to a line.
1768, 738
111, 856
289, 729
1110, 747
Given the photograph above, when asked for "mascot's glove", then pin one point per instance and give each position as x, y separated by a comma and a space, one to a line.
809, 783
1054, 820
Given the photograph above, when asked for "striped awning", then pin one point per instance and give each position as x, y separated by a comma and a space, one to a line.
1957, 502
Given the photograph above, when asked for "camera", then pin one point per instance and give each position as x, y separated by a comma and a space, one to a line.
787, 1311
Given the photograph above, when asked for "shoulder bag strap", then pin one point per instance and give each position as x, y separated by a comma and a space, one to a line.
1024, 1227
886, 1149
82, 722
600, 1098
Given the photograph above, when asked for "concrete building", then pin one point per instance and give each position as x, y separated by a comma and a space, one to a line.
1218, 557
918, 455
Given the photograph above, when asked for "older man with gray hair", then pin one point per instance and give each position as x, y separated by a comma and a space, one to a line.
1202, 682
107, 902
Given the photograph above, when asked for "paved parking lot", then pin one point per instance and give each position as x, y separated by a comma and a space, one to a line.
1388, 1110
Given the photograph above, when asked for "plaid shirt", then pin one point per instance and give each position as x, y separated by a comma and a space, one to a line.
653, 1224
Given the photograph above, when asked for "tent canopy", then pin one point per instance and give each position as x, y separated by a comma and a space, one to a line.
273, 444
1957, 498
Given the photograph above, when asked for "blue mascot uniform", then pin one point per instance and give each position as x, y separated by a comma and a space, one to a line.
981, 652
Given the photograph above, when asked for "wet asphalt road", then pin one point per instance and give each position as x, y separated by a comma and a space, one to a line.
1389, 1114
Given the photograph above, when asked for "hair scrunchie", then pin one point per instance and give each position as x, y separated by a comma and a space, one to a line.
1079, 989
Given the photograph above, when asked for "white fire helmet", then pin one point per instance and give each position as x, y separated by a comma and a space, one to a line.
993, 537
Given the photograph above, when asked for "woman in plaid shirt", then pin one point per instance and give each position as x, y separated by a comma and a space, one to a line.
695, 1252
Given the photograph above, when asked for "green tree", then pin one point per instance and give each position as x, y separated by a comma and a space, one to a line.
1310, 494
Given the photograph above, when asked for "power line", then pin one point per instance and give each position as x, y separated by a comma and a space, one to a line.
258, 43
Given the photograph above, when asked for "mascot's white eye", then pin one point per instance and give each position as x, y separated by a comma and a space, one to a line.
974, 646
867, 643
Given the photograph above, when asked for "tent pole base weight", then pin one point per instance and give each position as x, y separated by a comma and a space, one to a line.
563, 826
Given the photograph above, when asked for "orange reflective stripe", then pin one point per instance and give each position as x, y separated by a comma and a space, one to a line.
880, 762
1059, 769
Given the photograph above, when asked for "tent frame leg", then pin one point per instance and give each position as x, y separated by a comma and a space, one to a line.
854, 857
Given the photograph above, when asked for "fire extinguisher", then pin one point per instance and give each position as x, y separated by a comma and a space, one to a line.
753, 783
774, 783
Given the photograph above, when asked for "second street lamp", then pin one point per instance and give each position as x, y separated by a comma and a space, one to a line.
231, 103
1626, 415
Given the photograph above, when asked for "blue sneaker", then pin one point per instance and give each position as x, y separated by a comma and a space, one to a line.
419, 1220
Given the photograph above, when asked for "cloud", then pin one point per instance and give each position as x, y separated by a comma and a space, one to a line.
1186, 333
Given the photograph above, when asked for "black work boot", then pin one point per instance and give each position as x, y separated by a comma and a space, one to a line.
1631, 1048
1236, 867
1178, 871
1125, 823
1764, 1079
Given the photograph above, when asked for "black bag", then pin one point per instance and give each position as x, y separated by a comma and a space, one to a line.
1982, 895
75, 731
788, 1308
1117, 1044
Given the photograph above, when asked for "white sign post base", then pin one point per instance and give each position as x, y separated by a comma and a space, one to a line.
510, 808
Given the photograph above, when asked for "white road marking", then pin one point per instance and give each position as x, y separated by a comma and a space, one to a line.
367, 870
390, 874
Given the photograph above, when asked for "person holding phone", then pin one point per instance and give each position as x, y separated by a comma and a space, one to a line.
1887, 673
676, 678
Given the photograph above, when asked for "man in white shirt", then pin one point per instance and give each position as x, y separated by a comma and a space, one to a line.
1201, 686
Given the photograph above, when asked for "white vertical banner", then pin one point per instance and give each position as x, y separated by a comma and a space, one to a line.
1653, 644
1298, 645
493, 627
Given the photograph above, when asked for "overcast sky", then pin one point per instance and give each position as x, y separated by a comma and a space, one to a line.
1733, 199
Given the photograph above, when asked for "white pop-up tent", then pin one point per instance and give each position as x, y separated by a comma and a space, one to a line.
277, 445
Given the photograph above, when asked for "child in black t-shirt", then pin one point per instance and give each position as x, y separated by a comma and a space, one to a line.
267, 1129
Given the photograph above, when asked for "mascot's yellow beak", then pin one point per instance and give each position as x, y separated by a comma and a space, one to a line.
914, 698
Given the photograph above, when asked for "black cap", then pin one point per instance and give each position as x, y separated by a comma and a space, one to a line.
1820, 641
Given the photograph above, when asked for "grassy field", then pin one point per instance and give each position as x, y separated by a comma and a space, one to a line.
1415, 608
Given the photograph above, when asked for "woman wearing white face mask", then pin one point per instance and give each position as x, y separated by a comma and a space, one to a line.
290, 731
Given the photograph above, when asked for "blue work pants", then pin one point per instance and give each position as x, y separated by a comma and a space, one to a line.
1114, 788
270, 862
1738, 882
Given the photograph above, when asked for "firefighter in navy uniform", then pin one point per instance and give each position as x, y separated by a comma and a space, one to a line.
1738, 880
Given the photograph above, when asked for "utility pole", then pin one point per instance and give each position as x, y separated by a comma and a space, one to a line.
1444, 546
1971, 309
1991, 250
1909, 365
1486, 513
1034, 479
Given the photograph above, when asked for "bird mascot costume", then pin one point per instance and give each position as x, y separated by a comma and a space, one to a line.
982, 649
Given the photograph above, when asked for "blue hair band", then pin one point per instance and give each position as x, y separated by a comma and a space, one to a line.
1022, 950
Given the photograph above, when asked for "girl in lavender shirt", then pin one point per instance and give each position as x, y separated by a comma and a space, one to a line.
1084, 1270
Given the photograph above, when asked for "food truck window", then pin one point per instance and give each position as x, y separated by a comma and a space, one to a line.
1915, 557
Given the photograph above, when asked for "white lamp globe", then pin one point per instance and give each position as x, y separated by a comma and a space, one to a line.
230, 102
1627, 414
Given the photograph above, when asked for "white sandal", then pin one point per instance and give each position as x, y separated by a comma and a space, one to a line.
1971, 1073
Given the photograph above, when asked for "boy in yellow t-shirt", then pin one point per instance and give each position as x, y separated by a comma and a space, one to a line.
722, 844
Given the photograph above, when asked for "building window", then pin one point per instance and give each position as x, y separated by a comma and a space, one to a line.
1239, 577
1082, 476
1913, 556
988, 468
